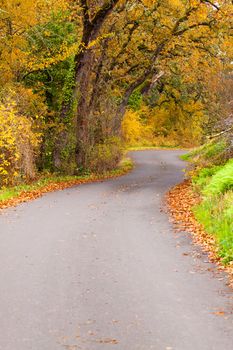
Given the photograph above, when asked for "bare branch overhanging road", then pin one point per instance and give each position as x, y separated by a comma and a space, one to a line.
98, 266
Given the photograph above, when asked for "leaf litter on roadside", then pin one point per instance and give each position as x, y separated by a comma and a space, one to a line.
29, 195
180, 201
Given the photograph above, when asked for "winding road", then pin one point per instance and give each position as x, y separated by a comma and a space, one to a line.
98, 266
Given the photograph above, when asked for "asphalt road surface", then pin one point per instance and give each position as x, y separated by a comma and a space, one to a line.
98, 266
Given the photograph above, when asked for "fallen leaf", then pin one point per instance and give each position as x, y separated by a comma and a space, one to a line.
219, 313
107, 341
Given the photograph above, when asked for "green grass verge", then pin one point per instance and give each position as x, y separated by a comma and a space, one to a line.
125, 165
216, 214
221, 180
212, 177
186, 157
216, 209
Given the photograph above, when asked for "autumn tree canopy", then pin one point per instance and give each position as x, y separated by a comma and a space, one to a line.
71, 71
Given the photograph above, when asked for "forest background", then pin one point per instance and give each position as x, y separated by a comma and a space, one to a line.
81, 79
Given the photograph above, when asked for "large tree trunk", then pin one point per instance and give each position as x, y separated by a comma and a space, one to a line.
84, 81
83, 92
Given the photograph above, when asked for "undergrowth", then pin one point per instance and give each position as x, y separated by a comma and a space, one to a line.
208, 154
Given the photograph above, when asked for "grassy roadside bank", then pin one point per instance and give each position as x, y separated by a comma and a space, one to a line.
204, 203
48, 183
215, 212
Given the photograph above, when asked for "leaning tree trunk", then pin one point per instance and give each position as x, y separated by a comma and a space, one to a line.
84, 72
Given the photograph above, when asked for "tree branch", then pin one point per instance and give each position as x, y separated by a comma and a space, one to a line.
212, 4
221, 133
182, 31
100, 16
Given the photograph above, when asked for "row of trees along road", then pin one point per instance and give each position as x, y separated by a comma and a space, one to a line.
70, 70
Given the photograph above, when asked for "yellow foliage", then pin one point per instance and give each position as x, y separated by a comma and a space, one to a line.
167, 124
134, 131
17, 144
175, 4
131, 127
181, 122
45, 62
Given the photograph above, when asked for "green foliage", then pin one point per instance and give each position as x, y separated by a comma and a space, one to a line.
186, 157
221, 180
135, 100
46, 39
68, 161
202, 178
55, 42
46, 42
69, 82
216, 209
216, 214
